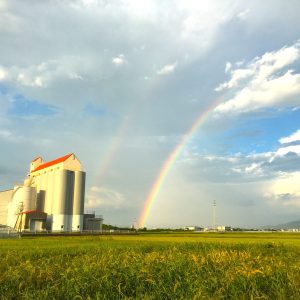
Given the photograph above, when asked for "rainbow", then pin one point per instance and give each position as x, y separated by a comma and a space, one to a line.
112, 150
158, 183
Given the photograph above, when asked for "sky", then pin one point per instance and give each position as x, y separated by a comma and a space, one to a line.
123, 84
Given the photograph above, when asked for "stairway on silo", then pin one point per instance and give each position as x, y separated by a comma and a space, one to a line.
19, 223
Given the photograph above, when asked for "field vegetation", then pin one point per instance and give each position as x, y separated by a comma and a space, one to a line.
152, 266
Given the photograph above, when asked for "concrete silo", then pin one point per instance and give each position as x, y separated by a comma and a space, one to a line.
51, 198
78, 203
60, 187
23, 199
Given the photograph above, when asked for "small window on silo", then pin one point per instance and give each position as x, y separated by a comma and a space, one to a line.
62, 226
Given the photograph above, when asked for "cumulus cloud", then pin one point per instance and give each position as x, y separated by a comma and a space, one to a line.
75, 76
228, 67
202, 20
167, 69
2, 73
99, 197
5, 133
264, 82
243, 14
45, 73
242, 168
295, 137
236, 76
288, 149
288, 146
74, 61
285, 190
118, 60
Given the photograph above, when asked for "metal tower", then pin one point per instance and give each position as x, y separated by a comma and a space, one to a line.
214, 226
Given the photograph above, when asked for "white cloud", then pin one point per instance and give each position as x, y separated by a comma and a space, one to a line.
45, 73
243, 14
228, 67
38, 81
141, 9
104, 197
291, 138
27, 79
75, 76
167, 69
2, 73
10, 136
236, 76
88, 3
118, 60
254, 169
285, 150
286, 190
5, 133
3, 5
282, 151
241, 167
264, 82
239, 63
202, 20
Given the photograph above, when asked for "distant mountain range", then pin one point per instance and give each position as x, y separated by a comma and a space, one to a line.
290, 225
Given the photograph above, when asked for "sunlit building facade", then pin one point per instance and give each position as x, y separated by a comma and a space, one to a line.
51, 197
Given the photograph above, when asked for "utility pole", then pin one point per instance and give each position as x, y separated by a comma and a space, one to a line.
134, 226
214, 215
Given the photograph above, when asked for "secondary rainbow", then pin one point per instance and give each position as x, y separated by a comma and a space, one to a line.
167, 166
111, 152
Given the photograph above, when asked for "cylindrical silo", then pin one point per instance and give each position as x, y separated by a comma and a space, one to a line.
69, 200
78, 203
27, 196
59, 207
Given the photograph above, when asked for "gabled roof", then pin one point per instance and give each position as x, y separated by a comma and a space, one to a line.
52, 162
36, 158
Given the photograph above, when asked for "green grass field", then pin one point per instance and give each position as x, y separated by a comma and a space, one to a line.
152, 266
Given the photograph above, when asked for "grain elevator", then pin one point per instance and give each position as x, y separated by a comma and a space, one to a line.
51, 197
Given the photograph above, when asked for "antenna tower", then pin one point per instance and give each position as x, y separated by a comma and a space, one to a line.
214, 215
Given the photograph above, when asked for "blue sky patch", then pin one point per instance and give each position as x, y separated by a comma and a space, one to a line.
23, 107
94, 110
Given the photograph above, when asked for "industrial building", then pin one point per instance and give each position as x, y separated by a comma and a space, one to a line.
51, 198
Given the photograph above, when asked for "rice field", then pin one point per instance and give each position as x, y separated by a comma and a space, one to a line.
152, 266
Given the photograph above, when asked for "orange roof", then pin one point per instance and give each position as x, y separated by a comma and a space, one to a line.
32, 211
52, 162
36, 159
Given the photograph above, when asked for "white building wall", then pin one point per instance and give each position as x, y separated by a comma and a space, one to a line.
5, 198
57, 190
23, 198
59, 220
63, 197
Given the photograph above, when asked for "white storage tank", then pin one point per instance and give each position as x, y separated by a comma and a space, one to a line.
78, 204
23, 199
25, 195
59, 198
